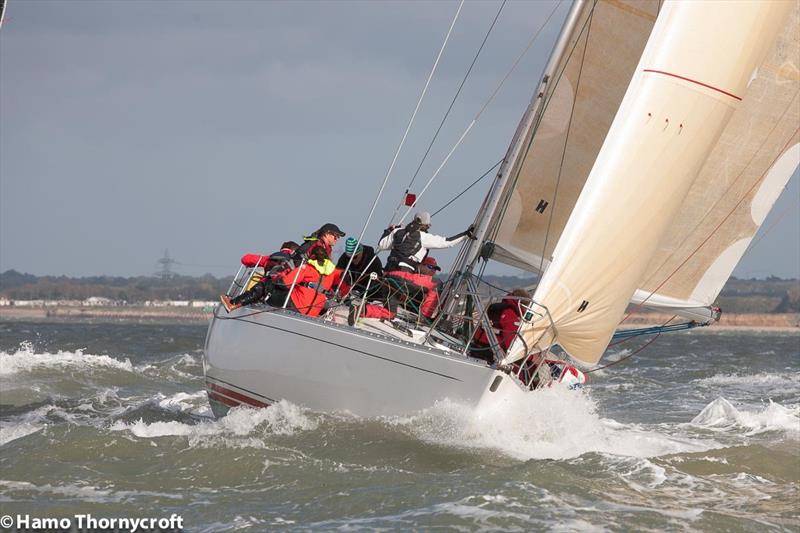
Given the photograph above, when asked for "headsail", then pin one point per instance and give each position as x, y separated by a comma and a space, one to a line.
750, 165
559, 150
687, 86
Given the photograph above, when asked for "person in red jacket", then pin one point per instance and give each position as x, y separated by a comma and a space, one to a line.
425, 296
310, 279
310, 284
505, 317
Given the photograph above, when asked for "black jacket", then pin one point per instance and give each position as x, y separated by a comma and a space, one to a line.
357, 270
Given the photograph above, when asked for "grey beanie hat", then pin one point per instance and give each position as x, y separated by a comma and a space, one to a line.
423, 217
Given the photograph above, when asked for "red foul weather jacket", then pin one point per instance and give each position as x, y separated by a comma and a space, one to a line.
308, 296
505, 318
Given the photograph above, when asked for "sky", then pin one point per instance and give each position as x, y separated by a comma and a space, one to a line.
213, 129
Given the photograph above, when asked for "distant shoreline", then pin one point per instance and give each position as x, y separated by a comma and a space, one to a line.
789, 322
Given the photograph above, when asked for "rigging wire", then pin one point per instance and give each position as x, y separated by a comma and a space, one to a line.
465, 190
453, 101
408, 128
485, 105
648, 343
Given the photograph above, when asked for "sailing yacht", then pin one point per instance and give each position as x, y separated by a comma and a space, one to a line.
657, 140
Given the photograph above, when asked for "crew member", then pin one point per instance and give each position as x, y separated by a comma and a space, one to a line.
427, 270
409, 246
505, 319
309, 283
326, 237
364, 263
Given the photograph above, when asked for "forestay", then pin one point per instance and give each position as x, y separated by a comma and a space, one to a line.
691, 79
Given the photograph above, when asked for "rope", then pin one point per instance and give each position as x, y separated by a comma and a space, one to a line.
408, 128
648, 343
465, 190
651, 341
447, 113
485, 105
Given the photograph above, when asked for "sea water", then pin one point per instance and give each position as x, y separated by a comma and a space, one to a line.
700, 431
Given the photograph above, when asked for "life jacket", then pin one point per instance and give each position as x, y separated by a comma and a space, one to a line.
406, 242
309, 286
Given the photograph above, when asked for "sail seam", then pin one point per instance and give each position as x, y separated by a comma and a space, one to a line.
684, 78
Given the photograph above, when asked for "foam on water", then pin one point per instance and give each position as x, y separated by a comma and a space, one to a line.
25, 359
555, 423
282, 418
82, 492
184, 402
14, 431
721, 414
788, 382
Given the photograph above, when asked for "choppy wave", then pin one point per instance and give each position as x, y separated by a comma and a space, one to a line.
556, 423
25, 359
786, 381
82, 492
721, 414
282, 418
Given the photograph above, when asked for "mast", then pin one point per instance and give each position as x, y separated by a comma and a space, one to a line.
530, 119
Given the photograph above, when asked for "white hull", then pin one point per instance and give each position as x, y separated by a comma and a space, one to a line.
257, 358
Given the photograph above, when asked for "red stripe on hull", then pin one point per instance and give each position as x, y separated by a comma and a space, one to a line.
222, 399
235, 395
707, 86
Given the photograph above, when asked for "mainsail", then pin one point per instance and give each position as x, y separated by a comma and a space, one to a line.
580, 102
678, 108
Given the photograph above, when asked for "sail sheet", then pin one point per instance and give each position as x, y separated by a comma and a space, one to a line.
684, 92
559, 151
748, 168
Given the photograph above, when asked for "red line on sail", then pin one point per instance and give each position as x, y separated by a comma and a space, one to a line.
236, 395
726, 93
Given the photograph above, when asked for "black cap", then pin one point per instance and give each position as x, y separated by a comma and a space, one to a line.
330, 228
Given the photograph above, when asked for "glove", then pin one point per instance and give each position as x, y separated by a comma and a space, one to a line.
467, 233
389, 230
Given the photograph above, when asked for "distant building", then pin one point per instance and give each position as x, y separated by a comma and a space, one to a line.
97, 301
28, 303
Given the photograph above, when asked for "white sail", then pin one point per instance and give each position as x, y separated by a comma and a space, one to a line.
582, 98
684, 92
748, 168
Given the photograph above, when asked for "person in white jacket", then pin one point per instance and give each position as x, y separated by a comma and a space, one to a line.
408, 248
